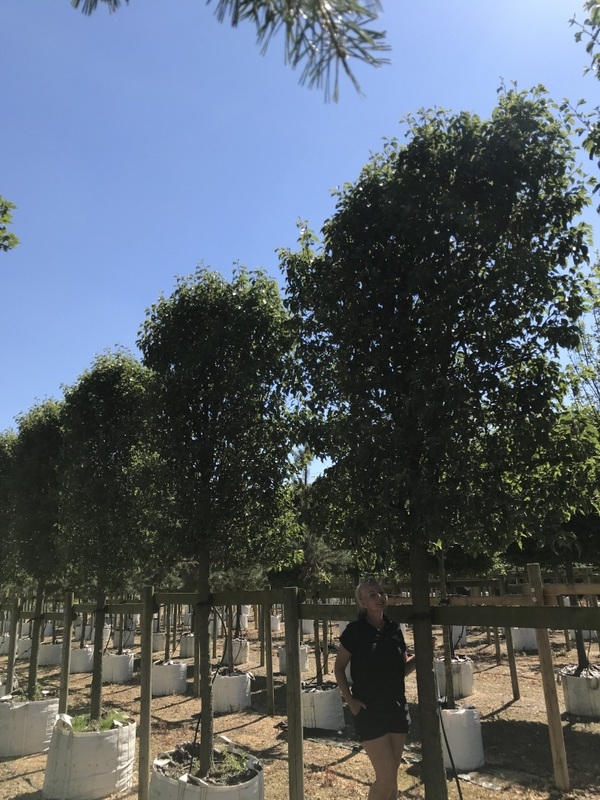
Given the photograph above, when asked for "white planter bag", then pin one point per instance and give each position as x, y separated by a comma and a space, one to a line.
581, 692
231, 693
105, 635
77, 632
164, 788
308, 626
281, 653
524, 640
240, 649
82, 660
275, 624
24, 648
186, 646
117, 668
169, 678
26, 728
90, 765
49, 655
459, 636
322, 708
123, 638
4, 645
159, 642
463, 731
462, 676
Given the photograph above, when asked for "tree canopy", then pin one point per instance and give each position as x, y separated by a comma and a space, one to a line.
8, 240
323, 37
433, 314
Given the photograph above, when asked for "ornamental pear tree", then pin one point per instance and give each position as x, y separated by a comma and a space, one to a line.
433, 316
221, 355
101, 538
35, 489
324, 37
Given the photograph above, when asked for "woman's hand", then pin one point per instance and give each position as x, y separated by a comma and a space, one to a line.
355, 705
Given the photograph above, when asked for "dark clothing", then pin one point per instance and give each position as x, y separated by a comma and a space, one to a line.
377, 672
373, 724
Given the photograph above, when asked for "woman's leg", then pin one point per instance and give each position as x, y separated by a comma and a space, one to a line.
385, 754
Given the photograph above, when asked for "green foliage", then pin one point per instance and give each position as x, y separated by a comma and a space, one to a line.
323, 36
35, 487
221, 355
83, 722
103, 540
8, 240
434, 313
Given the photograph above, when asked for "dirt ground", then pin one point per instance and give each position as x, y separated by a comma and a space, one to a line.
515, 737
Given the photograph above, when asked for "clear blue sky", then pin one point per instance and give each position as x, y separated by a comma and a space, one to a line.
139, 144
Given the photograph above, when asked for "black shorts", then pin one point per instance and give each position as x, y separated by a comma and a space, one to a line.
372, 723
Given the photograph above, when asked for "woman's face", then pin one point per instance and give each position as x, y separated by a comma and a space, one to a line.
373, 597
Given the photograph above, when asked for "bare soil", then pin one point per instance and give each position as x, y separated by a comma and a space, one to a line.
515, 734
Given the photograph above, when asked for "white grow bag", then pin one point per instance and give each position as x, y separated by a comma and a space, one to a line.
4, 645
117, 668
240, 649
524, 640
169, 677
275, 623
164, 788
82, 659
231, 693
459, 636
26, 728
24, 647
89, 765
282, 655
159, 642
462, 676
123, 638
322, 708
308, 626
581, 693
186, 645
49, 655
463, 731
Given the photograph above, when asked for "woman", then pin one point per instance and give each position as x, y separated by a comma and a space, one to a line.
374, 647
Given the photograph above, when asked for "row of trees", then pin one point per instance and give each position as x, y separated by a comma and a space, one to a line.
419, 347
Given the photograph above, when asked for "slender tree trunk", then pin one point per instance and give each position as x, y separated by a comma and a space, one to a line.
206, 722
447, 634
582, 658
318, 656
35, 639
96, 692
433, 773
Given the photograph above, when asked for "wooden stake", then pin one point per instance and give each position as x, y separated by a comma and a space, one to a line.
557, 742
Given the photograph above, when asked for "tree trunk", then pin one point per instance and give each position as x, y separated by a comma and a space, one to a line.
35, 631
447, 638
203, 610
582, 659
318, 662
434, 774
96, 692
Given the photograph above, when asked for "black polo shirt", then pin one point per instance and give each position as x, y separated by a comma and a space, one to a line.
377, 663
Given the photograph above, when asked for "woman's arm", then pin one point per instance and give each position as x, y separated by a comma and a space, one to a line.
409, 663
341, 662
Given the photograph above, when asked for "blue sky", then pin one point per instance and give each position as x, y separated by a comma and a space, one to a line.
140, 144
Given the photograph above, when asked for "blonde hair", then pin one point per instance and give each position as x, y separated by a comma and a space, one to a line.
370, 581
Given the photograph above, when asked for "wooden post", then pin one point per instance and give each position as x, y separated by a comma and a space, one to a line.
510, 651
557, 742
12, 645
145, 692
268, 647
65, 661
294, 695
497, 645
